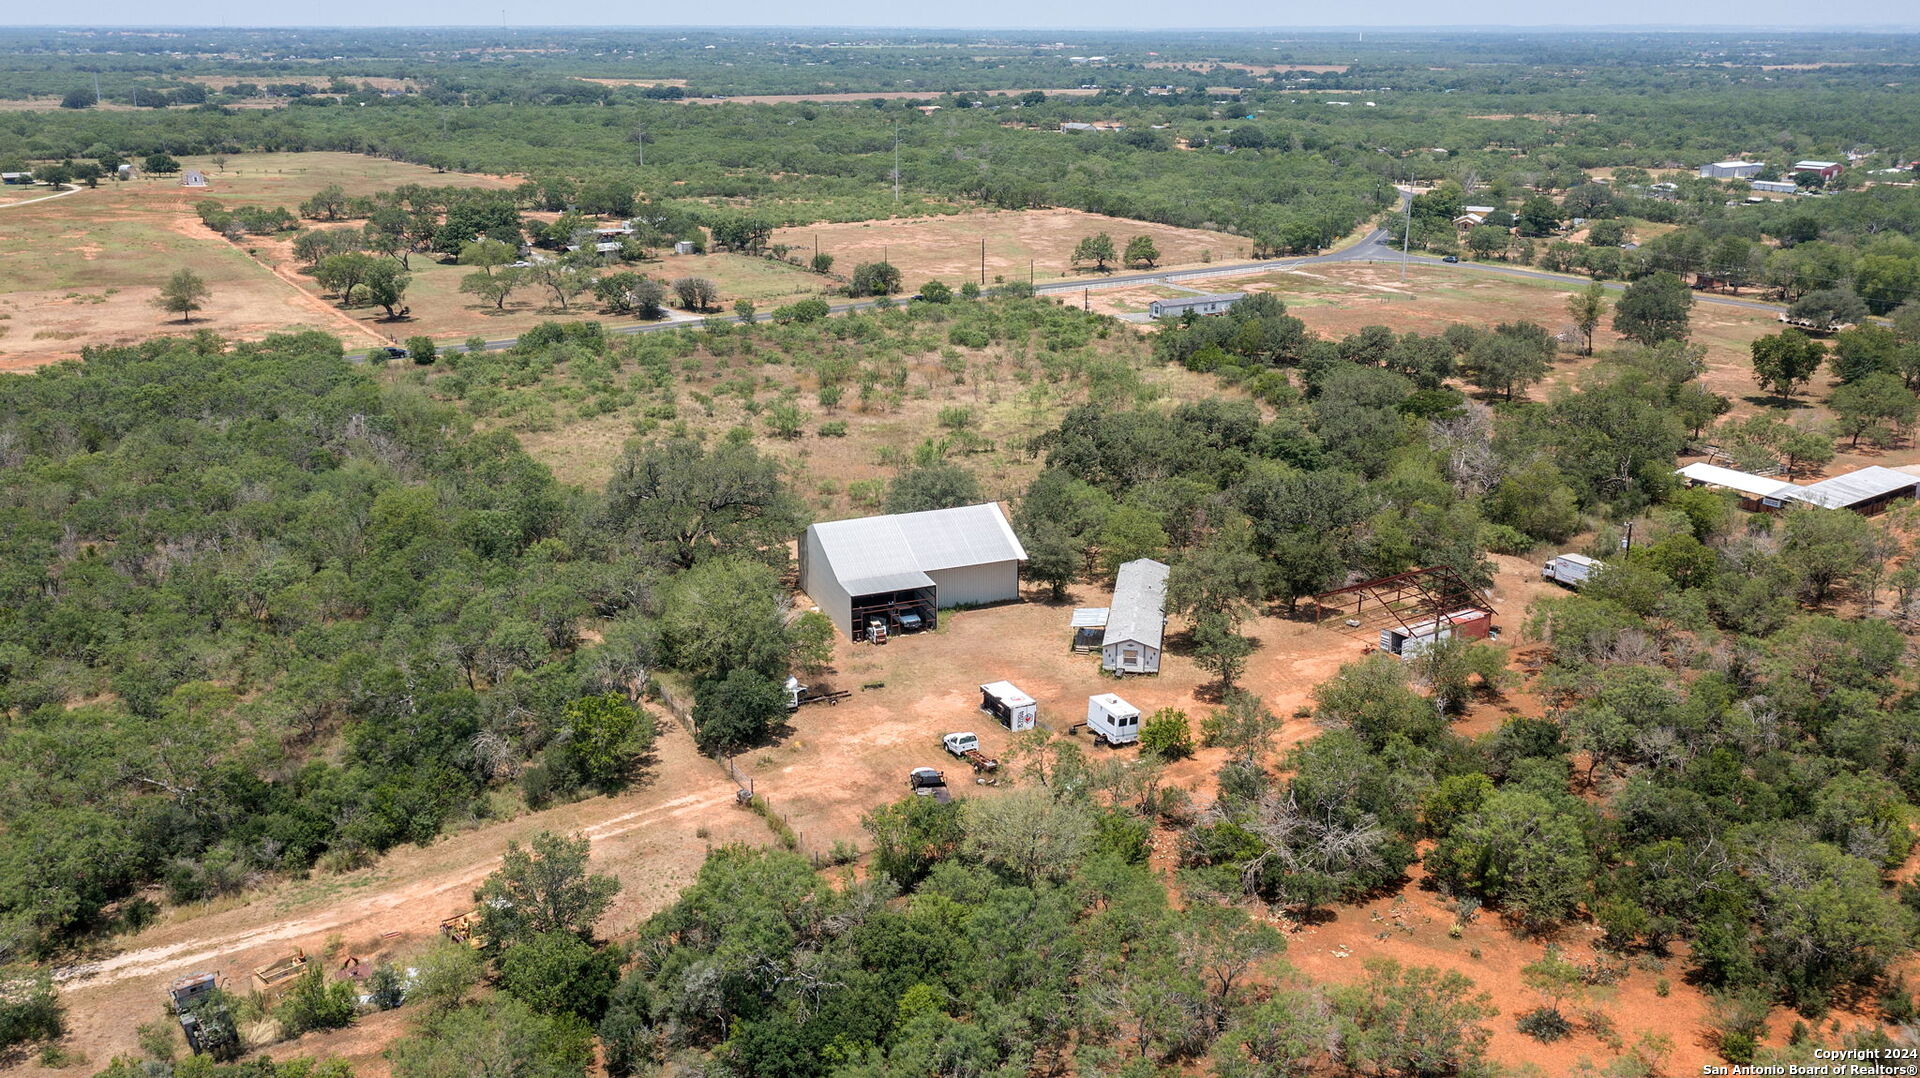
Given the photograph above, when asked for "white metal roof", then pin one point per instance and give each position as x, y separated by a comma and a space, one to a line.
1815, 164
868, 555
1854, 487
1195, 301
1735, 164
1113, 705
1007, 693
1759, 486
1089, 617
1139, 610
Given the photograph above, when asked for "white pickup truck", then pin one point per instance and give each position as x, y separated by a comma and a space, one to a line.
966, 746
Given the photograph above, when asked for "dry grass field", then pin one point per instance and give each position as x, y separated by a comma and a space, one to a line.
84, 269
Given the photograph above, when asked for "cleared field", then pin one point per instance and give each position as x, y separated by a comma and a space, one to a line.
949, 248
84, 269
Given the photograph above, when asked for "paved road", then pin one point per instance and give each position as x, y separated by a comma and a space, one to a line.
1375, 247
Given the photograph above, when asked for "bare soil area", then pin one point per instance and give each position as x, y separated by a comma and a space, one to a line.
949, 248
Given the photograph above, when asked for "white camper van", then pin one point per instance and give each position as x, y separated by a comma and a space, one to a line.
1112, 720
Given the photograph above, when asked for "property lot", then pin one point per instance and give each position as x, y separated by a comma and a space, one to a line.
84, 269
948, 248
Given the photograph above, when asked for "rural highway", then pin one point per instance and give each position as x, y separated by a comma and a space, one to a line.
1374, 247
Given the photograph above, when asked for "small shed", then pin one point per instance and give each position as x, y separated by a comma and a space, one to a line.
1210, 304
1137, 620
194, 178
1004, 701
1089, 625
683, 247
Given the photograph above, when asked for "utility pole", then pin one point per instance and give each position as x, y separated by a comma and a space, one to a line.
1406, 231
983, 260
1086, 299
96, 88
896, 161
1626, 545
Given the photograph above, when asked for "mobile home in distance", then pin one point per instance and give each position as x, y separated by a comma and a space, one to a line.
1137, 619
1111, 720
1005, 702
1174, 308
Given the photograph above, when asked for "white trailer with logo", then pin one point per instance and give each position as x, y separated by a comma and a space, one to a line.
1112, 720
1571, 570
1005, 702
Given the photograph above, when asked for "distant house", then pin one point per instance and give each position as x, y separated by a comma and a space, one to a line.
1137, 619
1778, 187
125, 172
1481, 210
194, 178
1756, 491
1732, 170
1468, 220
683, 247
1213, 304
1827, 169
16, 178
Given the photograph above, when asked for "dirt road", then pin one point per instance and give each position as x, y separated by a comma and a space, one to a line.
652, 838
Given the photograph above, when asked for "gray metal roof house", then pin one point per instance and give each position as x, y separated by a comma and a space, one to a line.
1136, 620
1174, 308
900, 570
1866, 490
1732, 170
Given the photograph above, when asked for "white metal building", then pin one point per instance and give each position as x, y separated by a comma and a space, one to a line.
1866, 490
1136, 620
1214, 304
1775, 187
910, 563
1732, 170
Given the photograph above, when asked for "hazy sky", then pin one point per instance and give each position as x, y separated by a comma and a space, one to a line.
1064, 14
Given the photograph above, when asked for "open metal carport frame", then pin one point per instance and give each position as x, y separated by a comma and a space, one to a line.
1397, 602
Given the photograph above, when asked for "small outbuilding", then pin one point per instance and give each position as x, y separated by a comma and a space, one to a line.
193, 178
1775, 187
1014, 709
1756, 492
1089, 626
902, 569
683, 247
1137, 619
1210, 304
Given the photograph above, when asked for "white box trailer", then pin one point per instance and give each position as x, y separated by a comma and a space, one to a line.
1005, 702
1571, 570
1112, 720
1414, 640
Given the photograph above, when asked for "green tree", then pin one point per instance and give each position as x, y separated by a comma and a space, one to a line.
680, 502
1414, 1021
736, 711
422, 350
1586, 307
1827, 308
1862, 351
558, 973
1522, 850
386, 283
314, 1002
1654, 309
1054, 556
1514, 356
327, 204
1130, 532
501, 1036
30, 1008
1142, 251
609, 735
936, 485
696, 293
1167, 734
160, 164
724, 614
183, 294
542, 887
1879, 403
1219, 648
444, 976
1538, 217
494, 288
486, 254
874, 279
1822, 547
1097, 249
1786, 360
1028, 833
912, 835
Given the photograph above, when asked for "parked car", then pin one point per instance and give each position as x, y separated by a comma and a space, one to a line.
1451, 258
394, 353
